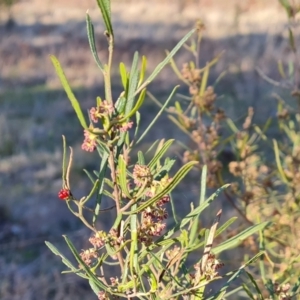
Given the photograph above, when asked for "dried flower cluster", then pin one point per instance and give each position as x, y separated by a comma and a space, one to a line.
281, 291
211, 270
204, 133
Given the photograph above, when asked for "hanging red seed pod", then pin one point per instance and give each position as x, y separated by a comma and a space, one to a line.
64, 194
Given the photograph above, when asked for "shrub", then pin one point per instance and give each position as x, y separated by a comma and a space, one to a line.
266, 171
142, 255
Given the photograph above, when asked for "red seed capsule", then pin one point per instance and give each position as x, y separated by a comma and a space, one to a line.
64, 194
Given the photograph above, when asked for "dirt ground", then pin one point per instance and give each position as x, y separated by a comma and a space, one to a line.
34, 111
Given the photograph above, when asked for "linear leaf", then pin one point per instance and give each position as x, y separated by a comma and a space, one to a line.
226, 225
204, 80
160, 153
278, 162
101, 178
165, 61
136, 107
104, 6
92, 276
195, 225
158, 115
261, 297
57, 252
143, 70
176, 179
122, 176
192, 214
94, 287
66, 86
237, 239
133, 82
91, 38
123, 74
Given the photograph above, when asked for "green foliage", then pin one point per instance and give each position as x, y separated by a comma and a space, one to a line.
266, 170
151, 260
7, 3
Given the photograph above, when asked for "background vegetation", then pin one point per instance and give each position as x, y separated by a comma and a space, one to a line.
35, 113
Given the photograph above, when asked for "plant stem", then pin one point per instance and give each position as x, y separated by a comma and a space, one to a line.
107, 73
116, 192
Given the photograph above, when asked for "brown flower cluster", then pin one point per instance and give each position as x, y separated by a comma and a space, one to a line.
142, 176
281, 291
112, 125
206, 139
89, 256
202, 121
211, 270
98, 240
153, 217
152, 222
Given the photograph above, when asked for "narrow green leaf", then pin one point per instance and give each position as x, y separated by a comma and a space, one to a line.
89, 175
235, 275
278, 162
232, 126
92, 277
130, 89
137, 124
176, 179
124, 75
261, 297
158, 115
174, 214
143, 70
133, 262
160, 154
291, 68
104, 6
91, 38
152, 146
94, 287
133, 81
117, 221
165, 169
292, 40
225, 225
122, 171
203, 185
248, 292
92, 192
197, 211
204, 80
193, 214
165, 61
66, 86
141, 158
57, 252
232, 292
176, 70
281, 69
195, 225
121, 104
101, 178
237, 239
136, 107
